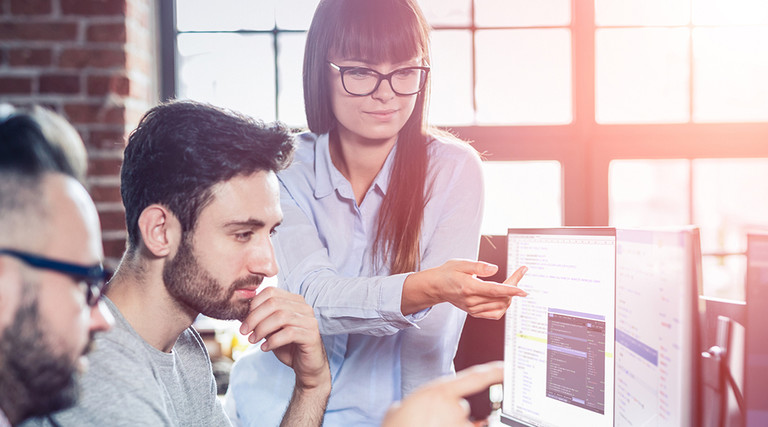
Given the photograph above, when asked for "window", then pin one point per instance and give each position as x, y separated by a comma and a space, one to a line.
245, 55
521, 194
622, 112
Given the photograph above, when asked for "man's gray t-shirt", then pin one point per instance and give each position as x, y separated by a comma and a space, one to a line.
131, 383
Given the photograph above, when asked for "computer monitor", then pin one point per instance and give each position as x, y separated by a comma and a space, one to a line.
559, 340
658, 351
596, 293
756, 381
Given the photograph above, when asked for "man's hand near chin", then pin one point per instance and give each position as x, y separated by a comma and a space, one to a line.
288, 326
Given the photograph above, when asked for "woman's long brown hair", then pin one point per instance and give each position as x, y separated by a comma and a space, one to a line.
377, 30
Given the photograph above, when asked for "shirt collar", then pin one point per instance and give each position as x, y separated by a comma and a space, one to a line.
328, 178
382, 179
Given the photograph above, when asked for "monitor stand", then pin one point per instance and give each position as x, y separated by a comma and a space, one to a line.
723, 369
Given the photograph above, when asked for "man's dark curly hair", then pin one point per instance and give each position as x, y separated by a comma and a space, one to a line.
181, 149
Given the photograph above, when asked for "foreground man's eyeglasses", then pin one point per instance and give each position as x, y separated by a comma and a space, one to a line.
93, 276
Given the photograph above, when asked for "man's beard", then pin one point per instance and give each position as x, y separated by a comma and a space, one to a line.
194, 287
34, 379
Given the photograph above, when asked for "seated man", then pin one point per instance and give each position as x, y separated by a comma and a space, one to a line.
50, 272
202, 200
42, 340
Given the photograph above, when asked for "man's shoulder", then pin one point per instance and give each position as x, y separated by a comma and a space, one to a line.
118, 353
117, 348
126, 381
120, 378
119, 385
190, 347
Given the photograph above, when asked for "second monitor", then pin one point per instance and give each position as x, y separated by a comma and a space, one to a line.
658, 362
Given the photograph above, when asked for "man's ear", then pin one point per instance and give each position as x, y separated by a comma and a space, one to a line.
160, 230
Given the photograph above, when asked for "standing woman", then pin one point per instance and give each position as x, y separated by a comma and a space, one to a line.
381, 220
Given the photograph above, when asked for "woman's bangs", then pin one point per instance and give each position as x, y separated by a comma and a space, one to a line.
380, 36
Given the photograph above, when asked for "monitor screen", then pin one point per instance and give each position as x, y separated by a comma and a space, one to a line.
559, 340
657, 335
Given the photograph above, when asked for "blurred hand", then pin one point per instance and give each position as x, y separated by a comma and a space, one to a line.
441, 403
456, 282
288, 325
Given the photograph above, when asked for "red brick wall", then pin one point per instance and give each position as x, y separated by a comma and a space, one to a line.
93, 62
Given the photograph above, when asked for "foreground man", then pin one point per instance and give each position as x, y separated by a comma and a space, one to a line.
50, 273
201, 200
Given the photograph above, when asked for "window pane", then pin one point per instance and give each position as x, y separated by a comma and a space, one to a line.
522, 13
294, 14
291, 89
526, 82
447, 12
522, 194
724, 276
719, 12
730, 69
642, 12
228, 70
225, 15
641, 75
648, 192
730, 197
451, 78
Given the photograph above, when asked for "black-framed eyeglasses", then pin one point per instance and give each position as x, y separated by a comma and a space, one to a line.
363, 81
93, 276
